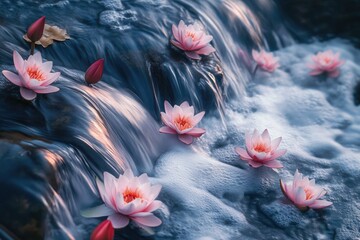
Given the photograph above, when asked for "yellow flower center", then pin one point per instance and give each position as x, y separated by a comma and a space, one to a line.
130, 195
308, 193
35, 73
190, 34
183, 123
260, 148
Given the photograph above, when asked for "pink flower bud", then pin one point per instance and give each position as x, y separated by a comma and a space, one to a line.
35, 31
104, 231
94, 72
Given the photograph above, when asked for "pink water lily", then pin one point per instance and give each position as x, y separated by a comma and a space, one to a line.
127, 198
181, 120
33, 76
304, 193
265, 60
326, 62
261, 150
192, 39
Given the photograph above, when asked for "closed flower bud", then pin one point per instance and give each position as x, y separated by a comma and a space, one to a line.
94, 72
35, 31
104, 231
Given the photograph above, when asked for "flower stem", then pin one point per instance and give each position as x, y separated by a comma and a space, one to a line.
255, 69
32, 48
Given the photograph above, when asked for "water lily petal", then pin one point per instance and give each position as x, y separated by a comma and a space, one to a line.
266, 137
316, 72
273, 164
48, 89
187, 139
197, 118
300, 195
129, 208
118, 220
320, 204
167, 119
255, 164
18, 62
166, 129
99, 211
12, 77
52, 77
277, 154
101, 189
188, 43
177, 111
33, 84
206, 50
143, 178
128, 173
260, 156
27, 94
196, 132
47, 66
181, 25
243, 154
168, 108
248, 140
154, 206
36, 57
255, 137
193, 55
184, 104
275, 143
175, 32
147, 219
177, 44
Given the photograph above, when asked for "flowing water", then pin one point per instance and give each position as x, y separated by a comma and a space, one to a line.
53, 148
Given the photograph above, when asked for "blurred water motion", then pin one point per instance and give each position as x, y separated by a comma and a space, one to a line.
52, 149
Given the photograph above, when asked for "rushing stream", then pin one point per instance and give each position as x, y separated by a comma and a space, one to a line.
53, 148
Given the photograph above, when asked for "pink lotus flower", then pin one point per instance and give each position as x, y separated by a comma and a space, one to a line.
265, 60
261, 150
127, 198
94, 72
192, 39
35, 31
104, 231
33, 76
326, 62
180, 120
304, 193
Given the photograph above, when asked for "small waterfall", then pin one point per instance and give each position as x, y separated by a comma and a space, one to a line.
54, 147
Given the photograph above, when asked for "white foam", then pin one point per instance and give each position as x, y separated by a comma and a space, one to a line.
221, 197
119, 20
113, 4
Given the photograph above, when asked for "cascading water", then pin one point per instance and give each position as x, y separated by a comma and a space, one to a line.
53, 148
